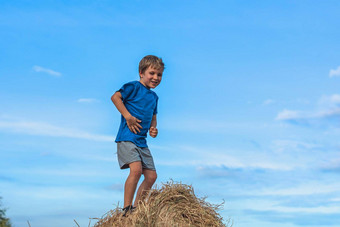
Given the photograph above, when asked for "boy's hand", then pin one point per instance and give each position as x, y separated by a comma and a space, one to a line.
133, 124
153, 132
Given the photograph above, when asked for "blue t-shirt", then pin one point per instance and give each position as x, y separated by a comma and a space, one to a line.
141, 103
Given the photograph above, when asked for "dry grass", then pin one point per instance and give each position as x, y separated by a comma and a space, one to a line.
172, 205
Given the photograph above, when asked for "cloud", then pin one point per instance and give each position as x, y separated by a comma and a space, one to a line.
288, 115
203, 124
268, 102
334, 72
335, 199
329, 113
332, 166
311, 188
296, 193
293, 146
45, 70
328, 108
87, 100
66, 172
330, 101
299, 218
45, 129
50, 192
201, 157
313, 210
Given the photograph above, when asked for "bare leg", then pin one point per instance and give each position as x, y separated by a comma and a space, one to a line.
150, 177
131, 182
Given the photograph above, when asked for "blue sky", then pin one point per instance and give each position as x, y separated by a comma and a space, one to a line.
249, 108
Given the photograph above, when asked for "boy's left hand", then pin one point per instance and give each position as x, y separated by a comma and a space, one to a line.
153, 132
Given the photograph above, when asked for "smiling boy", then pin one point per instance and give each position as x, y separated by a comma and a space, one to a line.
137, 104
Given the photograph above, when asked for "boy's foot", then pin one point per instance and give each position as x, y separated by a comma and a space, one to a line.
128, 209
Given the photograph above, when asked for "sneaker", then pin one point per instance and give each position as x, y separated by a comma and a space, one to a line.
128, 209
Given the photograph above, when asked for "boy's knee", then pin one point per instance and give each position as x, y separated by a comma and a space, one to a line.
151, 178
136, 172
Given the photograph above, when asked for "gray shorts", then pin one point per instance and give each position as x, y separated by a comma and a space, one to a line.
128, 152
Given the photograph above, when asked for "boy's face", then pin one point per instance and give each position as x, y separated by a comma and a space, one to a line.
151, 78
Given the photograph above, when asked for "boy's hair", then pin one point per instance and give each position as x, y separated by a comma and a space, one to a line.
150, 60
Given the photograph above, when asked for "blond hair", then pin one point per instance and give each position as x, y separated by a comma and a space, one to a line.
150, 61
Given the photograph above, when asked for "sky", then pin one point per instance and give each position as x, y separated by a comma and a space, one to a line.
248, 113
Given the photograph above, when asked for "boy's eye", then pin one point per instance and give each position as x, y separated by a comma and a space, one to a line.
159, 74
152, 73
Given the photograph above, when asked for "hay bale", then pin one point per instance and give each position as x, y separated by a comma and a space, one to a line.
174, 204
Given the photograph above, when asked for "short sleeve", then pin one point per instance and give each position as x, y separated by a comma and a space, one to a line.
156, 107
126, 90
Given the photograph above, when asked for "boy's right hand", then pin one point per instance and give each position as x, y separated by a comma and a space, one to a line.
133, 124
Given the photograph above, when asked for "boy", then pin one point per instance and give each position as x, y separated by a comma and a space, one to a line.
138, 106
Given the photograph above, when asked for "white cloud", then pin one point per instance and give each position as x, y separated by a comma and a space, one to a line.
292, 146
206, 156
52, 193
204, 124
268, 102
333, 164
328, 107
44, 129
329, 113
335, 98
67, 171
309, 210
330, 101
87, 100
311, 188
45, 70
334, 72
288, 115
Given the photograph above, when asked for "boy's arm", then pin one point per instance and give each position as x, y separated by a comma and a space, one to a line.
153, 130
131, 121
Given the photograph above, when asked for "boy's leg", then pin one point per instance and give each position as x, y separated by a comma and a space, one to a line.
150, 177
131, 182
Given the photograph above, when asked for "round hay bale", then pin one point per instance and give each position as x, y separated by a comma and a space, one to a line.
174, 204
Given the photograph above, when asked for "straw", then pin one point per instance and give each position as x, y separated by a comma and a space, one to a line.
173, 205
